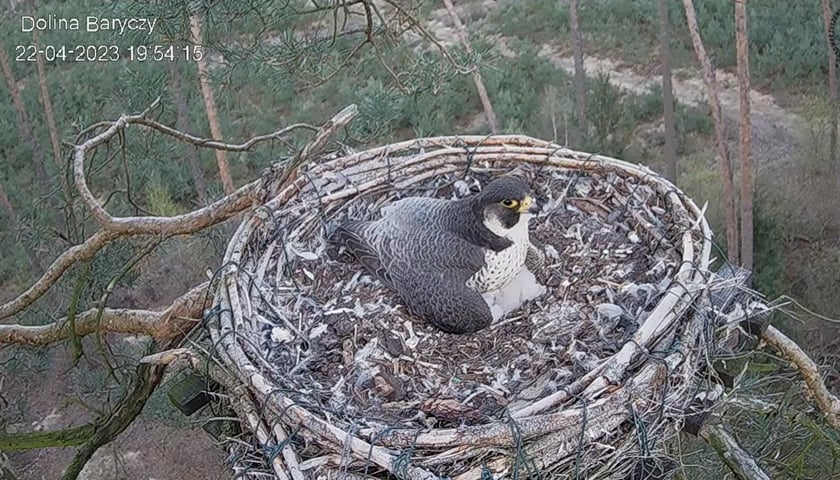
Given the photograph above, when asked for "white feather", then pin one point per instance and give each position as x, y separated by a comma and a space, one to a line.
522, 288
501, 267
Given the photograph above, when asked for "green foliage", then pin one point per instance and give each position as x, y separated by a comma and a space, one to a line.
379, 108
106, 268
517, 86
539, 22
159, 200
787, 41
605, 112
690, 120
646, 107
769, 247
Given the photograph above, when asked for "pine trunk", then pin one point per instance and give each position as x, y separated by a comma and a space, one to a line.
489, 113
720, 136
183, 122
580, 75
832, 78
47, 103
745, 131
53, 130
667, 94
28, 135
210, 106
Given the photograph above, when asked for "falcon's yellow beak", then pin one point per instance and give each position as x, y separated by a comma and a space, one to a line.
525, 205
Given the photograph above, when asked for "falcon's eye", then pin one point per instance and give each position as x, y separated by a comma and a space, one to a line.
510, 203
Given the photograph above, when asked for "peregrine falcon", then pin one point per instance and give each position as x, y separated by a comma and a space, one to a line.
440, 255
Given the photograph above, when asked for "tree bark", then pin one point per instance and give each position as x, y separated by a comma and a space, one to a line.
580, 75
745, 131
832, 79
28, 135
489, 113
54, 137
720, 136
210, 105
45, 100
667, 94
183, 123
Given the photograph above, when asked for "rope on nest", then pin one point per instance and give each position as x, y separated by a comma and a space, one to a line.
637, 395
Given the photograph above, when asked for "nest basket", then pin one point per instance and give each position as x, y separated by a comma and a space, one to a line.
593, 379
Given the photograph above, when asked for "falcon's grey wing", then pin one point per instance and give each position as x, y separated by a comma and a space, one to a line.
431, 279
442, 298
354, 236
411, 250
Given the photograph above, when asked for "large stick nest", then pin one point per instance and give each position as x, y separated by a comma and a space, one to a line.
590, 380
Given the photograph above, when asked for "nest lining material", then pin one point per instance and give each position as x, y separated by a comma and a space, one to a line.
336, 364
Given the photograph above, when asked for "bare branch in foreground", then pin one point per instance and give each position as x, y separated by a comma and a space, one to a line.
160, 325
742, 464
112, 228
828, 403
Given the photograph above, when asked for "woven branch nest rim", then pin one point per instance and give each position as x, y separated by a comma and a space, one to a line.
272, 415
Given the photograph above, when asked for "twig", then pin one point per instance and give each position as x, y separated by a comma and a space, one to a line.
146, 380
217, 145
6, 472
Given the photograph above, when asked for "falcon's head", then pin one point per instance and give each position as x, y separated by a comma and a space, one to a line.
505, 204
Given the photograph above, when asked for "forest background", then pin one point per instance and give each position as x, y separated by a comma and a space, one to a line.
270, 64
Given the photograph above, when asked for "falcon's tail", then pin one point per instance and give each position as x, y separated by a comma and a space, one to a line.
348, 235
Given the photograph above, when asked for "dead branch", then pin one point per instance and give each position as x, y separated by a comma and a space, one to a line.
825, 400
742, 464
112, 228
113, 423
177, 318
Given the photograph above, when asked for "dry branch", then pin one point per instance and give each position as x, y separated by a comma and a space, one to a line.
742, 464
828, 403
177, 318
113, 228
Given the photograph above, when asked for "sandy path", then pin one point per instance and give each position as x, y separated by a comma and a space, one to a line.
774, 140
